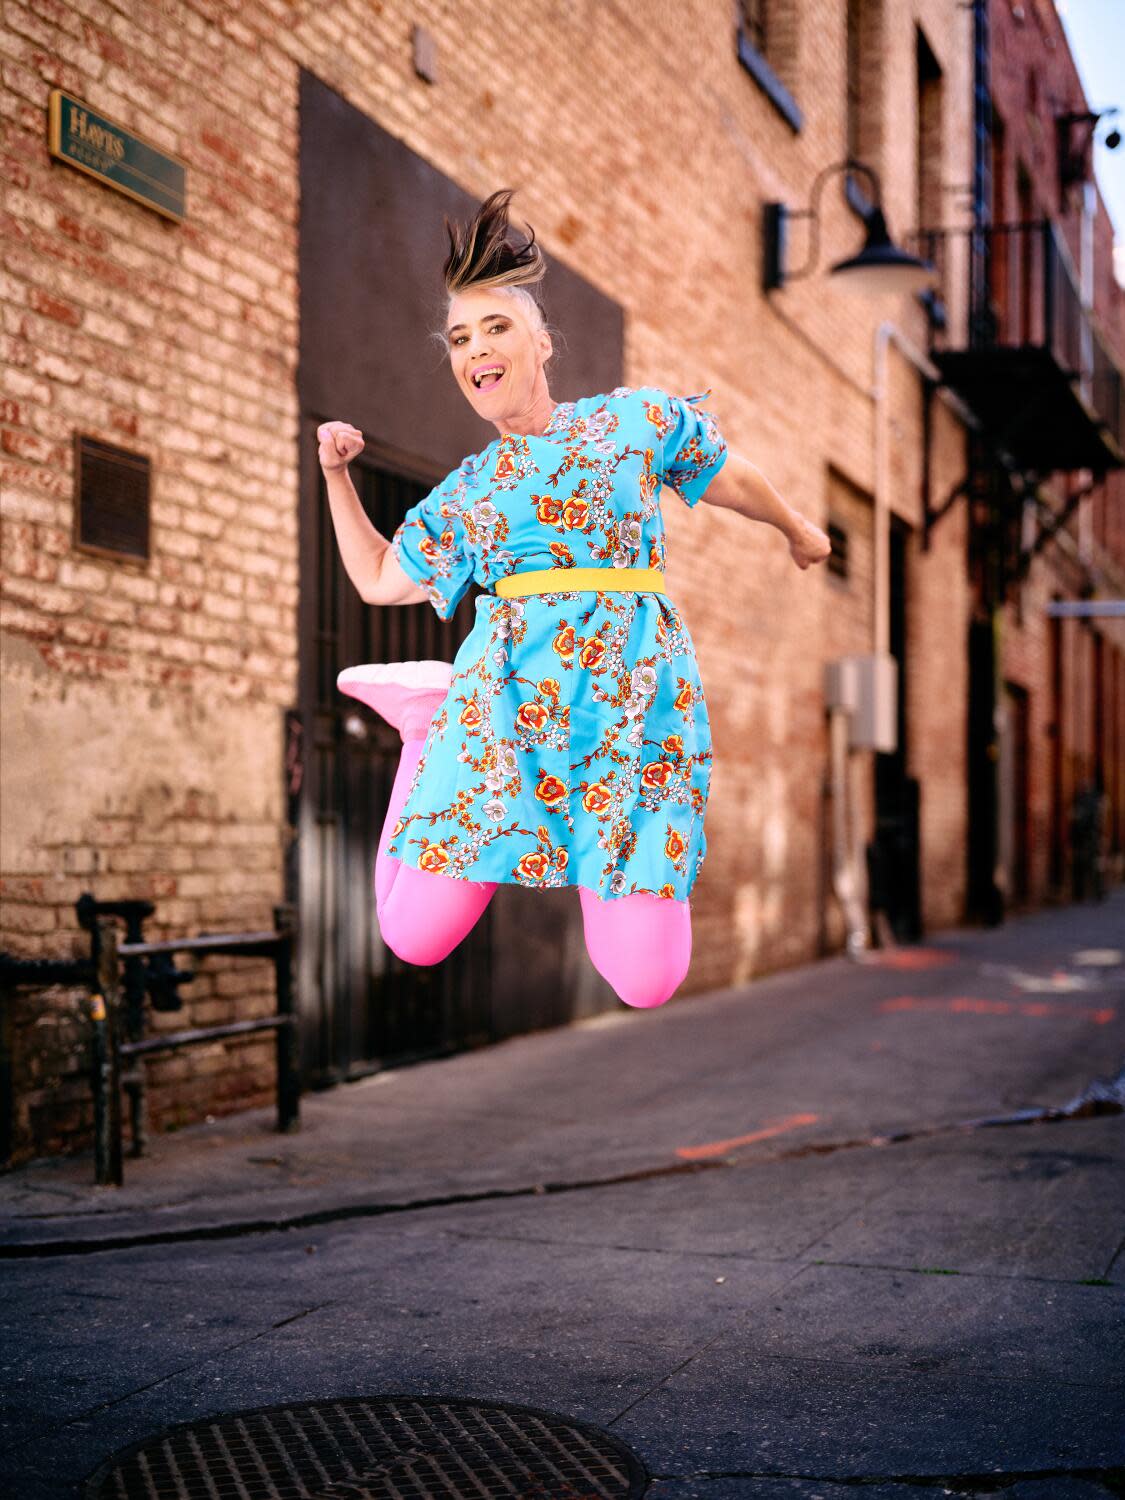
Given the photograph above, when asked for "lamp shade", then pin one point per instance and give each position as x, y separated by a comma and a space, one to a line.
881, 268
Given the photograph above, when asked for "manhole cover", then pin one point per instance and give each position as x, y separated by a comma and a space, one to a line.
368, 1448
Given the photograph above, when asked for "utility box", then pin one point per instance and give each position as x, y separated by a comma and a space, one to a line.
866, 689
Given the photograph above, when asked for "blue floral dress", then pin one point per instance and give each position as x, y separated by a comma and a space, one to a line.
573, 746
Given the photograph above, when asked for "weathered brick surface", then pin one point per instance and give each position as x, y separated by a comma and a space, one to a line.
142, 750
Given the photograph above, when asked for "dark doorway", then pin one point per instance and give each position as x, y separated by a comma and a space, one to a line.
894, 855
372, 242
985, 900
375, 1009
1015, 794
1055, 731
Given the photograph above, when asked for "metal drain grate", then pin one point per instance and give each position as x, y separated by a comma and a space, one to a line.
376, 1448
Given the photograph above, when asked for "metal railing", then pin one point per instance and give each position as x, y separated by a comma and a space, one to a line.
1024, 292
121, 976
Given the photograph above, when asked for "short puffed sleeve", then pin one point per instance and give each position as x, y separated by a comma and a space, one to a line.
693, 447
431, 543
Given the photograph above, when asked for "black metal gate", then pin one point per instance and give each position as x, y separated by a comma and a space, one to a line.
369, 1009
369, 288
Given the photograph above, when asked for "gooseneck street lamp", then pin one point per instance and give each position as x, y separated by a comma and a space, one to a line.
879, 268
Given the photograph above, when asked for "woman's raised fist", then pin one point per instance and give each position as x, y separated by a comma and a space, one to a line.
339, 444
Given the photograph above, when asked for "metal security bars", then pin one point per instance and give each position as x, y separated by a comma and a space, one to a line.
122, 977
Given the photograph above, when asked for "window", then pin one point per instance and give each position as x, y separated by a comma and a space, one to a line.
754, 24
929, 141
766, 42
111, 517
838, 558
864, 83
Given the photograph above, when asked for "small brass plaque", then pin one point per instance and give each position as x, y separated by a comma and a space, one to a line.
98, 146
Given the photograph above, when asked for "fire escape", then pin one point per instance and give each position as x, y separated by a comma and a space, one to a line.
1048, 396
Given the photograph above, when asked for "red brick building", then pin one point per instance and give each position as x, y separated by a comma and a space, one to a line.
172, 610
1056, 297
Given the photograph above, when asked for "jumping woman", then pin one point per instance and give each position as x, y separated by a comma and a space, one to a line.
568, 743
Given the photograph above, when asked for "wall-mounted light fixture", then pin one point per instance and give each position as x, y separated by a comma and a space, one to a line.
1074, 153
879, 268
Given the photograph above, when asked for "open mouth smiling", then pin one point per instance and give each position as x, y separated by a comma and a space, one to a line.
490, 375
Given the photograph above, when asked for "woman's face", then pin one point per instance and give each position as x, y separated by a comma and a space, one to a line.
489, 331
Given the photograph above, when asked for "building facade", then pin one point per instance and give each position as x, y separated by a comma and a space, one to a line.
173, 610
1056, 306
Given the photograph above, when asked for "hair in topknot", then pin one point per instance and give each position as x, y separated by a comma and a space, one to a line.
482, 254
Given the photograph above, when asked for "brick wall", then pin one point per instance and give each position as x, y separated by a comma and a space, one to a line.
1033, 79
145, 701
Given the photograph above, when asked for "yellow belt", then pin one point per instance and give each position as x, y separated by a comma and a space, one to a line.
564, 580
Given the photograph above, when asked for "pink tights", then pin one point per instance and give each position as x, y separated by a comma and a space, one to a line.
641, 944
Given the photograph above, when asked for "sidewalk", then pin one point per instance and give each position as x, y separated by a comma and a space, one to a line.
752, 1234
824, 1055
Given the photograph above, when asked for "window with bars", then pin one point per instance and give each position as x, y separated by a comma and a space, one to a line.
111, 514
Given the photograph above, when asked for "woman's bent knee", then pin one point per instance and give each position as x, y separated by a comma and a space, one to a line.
654, 979
426, 915
643, 996
640, 944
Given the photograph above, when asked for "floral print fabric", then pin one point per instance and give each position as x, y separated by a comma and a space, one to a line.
573, 746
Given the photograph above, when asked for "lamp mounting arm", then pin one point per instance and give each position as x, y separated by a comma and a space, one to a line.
849, 164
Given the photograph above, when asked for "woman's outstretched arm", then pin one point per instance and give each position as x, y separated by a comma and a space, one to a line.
741, 486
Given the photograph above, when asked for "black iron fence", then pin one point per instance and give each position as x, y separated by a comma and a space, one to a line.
1024, 292
124, 979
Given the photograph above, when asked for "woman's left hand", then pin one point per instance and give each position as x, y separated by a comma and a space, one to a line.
808, 544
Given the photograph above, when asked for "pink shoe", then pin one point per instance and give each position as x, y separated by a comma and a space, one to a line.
405, 693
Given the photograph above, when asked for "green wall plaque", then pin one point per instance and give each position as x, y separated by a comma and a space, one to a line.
89, 141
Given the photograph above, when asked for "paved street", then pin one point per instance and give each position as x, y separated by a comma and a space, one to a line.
755, 1234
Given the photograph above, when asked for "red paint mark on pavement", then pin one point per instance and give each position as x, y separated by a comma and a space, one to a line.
909, 958
716, 1148
975, 1005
